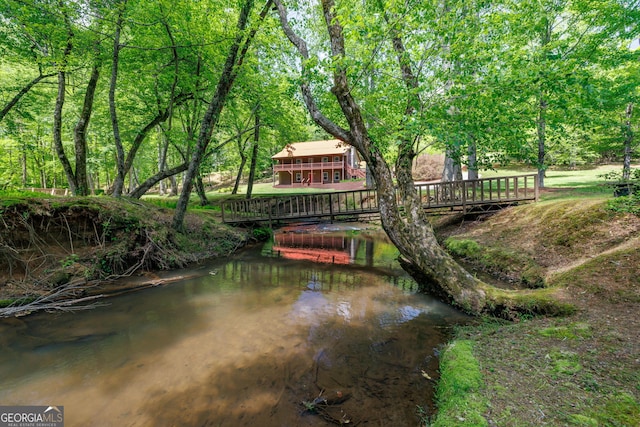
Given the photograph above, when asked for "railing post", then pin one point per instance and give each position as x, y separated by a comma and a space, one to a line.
464, 196
331, 208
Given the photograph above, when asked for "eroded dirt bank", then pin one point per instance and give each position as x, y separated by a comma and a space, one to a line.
79, 246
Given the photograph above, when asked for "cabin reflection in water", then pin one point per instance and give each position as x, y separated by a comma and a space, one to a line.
324, 248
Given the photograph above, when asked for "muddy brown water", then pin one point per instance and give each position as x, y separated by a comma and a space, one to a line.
313, 329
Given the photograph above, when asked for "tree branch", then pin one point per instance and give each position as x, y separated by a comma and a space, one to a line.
318, 117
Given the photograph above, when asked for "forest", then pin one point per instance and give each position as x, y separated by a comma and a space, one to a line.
123, 97
111, 96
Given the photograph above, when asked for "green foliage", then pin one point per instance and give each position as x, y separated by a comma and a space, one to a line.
69, 261
463, 247
16, 301
626, 204
615, 176
262, 233
564, 363
7, 195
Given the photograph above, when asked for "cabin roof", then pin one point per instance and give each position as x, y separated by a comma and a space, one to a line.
313, 148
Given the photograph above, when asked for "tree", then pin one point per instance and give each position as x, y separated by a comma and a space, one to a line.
25, 39
556, 47
235, 57
411, 232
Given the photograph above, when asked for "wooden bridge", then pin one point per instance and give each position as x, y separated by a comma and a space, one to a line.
479, 195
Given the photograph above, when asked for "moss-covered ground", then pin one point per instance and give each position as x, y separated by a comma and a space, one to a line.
581, 369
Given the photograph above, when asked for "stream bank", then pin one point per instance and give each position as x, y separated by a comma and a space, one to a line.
65, 249
576, 370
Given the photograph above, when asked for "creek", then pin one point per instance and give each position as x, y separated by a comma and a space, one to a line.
317, 327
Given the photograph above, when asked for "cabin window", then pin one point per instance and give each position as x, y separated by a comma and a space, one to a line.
298, 161
336, 158
336, 176
325, 176
325, 159
298, 177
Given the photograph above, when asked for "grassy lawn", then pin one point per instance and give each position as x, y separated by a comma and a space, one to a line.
586, 182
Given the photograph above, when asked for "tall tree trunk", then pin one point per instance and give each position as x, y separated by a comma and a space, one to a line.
57, 129
202, 195
472, 160
243, 162
628, 143
163, 149
542, 135
80, 135
118, 182
541, 121
452, 170
228, 75
23, 165
254, 154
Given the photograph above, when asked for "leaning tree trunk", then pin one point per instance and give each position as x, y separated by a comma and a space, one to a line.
153, 180
13, 101
243, 162
118, 182
228, 75
411, 233
200, 190
409, 229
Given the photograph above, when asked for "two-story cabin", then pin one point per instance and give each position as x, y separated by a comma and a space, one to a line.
317, 163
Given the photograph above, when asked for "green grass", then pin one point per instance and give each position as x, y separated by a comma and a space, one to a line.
460, 402
578, 183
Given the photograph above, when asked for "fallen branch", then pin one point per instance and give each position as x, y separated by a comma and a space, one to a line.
60, 299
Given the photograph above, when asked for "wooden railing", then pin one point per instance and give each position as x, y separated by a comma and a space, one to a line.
466, 194
297, 167
51, 191
480, 194
301, 206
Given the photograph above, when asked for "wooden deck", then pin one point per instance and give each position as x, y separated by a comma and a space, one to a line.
440, 197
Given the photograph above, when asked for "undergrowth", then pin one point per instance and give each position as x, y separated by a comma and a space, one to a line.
626, 204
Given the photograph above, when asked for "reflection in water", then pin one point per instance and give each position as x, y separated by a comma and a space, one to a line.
242, 344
